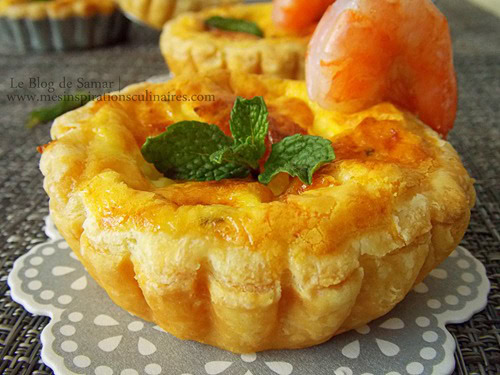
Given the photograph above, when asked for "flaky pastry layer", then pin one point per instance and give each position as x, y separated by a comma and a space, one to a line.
244, 266
190, 47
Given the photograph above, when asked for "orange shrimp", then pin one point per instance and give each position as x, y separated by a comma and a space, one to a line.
367, 51
298, 15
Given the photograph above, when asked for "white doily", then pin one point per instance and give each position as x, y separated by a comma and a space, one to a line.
88, 334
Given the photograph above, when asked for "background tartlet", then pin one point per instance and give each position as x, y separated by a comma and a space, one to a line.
190, 47
57, 25
235, 263
155, 13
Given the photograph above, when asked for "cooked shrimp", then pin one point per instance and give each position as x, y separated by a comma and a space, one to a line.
298, 15
367, 51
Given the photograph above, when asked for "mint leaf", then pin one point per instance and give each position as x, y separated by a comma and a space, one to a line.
224, 155
234, 24
299, 156
248, 122
236, 154
183, 152
249, 126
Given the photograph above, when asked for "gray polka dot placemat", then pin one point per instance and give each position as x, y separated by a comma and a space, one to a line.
88, 334
23, 203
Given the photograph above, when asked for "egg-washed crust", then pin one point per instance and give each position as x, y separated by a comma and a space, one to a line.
58, 9
238, 264
189, 47
155, 13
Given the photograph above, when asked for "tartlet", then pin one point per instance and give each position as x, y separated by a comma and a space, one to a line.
28, 25
244, 266
188, 46
155, 13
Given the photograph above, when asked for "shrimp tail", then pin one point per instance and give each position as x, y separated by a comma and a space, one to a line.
298, 15
364, 52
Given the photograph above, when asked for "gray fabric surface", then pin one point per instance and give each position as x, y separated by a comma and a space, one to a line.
23, 203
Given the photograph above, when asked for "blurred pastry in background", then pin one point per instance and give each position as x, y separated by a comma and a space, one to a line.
155, 13
57, 25
240, 38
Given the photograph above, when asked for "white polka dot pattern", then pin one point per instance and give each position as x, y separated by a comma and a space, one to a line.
36, 261
75, 317
423, 321
35, 285
92, 334
430, 336
153, 369
103, 370
81, 361
451, 300
31, 272
67, 330
464, 290
136, 326
434, 304
69, 346
47, 294
428, 353
415, 368
65, 299
48, 251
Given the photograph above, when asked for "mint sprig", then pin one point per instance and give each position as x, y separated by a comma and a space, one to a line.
191, 150
249, 127
183, 152
234, 24
299, 156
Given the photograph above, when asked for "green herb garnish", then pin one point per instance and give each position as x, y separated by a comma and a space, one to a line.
299, 156
191, 150
50, 113
234, 24
249, 128
183, 152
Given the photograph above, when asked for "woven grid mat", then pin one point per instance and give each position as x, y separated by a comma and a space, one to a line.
23, 203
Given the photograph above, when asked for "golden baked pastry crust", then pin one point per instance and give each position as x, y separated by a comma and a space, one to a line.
188, 47
55, 8
240, 265
156, 12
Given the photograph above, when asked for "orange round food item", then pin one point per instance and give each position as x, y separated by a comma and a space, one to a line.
364, 52
244, 266
189, 46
